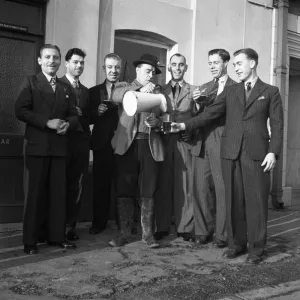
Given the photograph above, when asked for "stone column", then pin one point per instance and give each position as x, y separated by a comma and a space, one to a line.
281, 77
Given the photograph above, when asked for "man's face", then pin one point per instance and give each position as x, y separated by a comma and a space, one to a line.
144, 73
49, 61
177, 68
112, 69
217, 66
243, 66
75, 66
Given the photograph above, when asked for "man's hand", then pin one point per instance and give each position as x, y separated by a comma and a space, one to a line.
63, 128
79, 111
269, 162
152, 122
148, 88
196, 94
176, 127
54, 123
102, 108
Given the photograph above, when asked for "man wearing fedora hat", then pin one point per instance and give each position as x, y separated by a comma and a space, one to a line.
138, 149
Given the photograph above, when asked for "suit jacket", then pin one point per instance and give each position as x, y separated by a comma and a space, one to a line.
127, 126
105, 125
246, 121
35, 105
82, 101
182, 109
200, 134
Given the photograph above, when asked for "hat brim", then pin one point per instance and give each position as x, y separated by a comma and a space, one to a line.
138, 62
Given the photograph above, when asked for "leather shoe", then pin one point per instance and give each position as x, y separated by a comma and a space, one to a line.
160, 235
72, 236
95, 230
64, 244
219, 243
253, 259
233, 253
201, 239
30, 249
187, 236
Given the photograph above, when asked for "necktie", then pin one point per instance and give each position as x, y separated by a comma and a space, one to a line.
176, 93
75, 84
248, 90
112, 87
216, 85
53, 83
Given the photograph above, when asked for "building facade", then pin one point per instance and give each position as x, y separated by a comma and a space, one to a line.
161, 27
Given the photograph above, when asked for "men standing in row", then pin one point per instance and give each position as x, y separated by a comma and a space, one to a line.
138, 149
104, 117
248, 153
78, 140
208, 181
45, 104
175, 184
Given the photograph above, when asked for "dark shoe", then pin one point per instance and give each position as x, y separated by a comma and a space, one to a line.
187, 236
201, 239
95, 230
30, 249
64, 244
160, 235
118, 242
233, 253
253, 259
72, 236
219, 243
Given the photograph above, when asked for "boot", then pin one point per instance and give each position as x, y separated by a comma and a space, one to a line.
147, 213
125, 213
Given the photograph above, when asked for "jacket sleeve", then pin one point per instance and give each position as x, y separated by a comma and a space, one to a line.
24, 104
276, 123
120, 90
211, 113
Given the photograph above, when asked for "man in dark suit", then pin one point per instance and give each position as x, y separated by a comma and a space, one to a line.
104, 117
138, 150
45, 104
78, 140
248, 153
209, 190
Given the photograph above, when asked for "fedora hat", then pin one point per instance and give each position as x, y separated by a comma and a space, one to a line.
149, 60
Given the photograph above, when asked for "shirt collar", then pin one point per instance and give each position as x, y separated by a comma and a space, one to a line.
109, 84
253, 81
223, 78
173, 83
49, 77
71, 79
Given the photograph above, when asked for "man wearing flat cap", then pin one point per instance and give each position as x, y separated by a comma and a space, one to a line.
138, 150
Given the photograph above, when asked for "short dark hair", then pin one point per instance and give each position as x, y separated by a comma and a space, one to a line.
250, 53
178, 55
74, 51
49, 46
221, 52
114, 56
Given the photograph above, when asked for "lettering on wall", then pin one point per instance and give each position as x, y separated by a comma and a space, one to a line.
4, 141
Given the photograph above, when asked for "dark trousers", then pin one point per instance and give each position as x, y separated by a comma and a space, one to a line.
103, 164
209, 189
45, 200
76, 169
136, 172
174, 195
246, 190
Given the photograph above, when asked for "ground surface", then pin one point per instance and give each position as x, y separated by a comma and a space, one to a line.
178, 270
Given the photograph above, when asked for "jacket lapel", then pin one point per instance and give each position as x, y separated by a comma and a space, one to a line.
45, 89
184, 91
60, 97
240, 93
258, 88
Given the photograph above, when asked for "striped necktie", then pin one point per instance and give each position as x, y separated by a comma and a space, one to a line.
75, 84
53, 83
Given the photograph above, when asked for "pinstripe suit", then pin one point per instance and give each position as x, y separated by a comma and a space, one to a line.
244, 144
209, 190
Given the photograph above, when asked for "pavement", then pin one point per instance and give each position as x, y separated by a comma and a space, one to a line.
96, 271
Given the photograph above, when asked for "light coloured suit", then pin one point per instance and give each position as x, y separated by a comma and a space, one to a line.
175, 180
